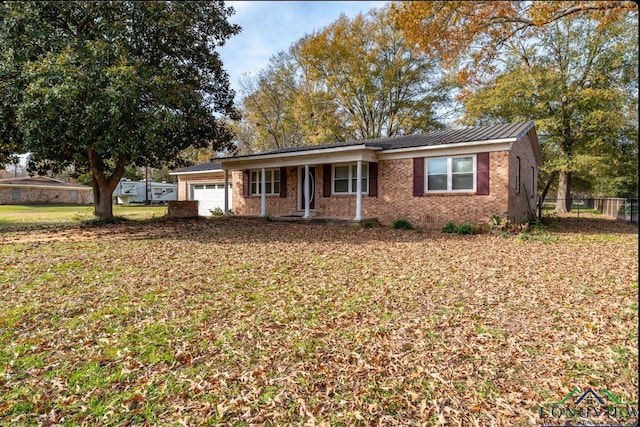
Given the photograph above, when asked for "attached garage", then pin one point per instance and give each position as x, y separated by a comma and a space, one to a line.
209, 197
204, 183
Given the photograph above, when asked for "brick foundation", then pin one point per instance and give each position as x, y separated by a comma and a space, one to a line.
183, 209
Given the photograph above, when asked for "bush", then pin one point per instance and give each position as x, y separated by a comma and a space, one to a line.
402, 224
450, 227
216, 212
219, 212
453, 228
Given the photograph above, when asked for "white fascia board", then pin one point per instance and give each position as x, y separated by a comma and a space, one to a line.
197, 172
311, 157
448, 149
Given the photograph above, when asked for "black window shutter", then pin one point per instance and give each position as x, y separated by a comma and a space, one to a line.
418, 176
283, 182
373, 179
326, 180
246, 182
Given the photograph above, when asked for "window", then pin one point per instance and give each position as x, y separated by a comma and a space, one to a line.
517, 175
272, 181
533, 182
74, 194
445, 174
15, 194
345, 178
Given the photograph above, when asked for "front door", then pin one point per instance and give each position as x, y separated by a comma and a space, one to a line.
312, 188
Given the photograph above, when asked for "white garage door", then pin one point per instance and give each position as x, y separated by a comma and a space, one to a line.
210, 196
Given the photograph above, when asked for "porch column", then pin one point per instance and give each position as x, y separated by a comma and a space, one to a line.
226, 192
263, 193
359, 192
306, 192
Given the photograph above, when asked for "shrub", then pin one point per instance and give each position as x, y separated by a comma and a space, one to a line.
453, 228
216, 212
402, 224
450, 227
465, 229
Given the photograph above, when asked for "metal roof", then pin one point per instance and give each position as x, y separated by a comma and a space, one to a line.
444, 137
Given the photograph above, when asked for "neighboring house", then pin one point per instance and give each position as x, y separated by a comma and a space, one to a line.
42, 190
129, 191
204, 183
465, 175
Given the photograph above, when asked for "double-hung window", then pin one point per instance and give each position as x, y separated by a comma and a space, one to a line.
272, 181
345, 178
450, 174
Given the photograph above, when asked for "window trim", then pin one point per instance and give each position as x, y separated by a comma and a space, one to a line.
450, 189
353, 175
518, 175
272, 181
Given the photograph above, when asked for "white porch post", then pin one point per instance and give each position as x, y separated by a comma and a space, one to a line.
226, 192
359, 192
263, 193
306, 192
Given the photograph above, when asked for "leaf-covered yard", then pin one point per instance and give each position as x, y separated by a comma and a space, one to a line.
241, 322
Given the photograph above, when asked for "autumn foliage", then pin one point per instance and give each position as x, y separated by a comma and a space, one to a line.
237, 322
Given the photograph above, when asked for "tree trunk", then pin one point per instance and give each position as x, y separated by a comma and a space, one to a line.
563, 202
102, 202
102, 186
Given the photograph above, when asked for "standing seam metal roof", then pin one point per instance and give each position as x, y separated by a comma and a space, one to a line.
455, 136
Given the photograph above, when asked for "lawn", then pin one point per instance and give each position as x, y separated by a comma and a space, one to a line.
239, 322
50, 215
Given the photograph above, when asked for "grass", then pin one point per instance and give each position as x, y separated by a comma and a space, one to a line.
12, 216
241, 322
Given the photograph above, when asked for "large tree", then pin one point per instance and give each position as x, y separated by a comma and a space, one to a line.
97, 86
575, 78
572, 66
357, 78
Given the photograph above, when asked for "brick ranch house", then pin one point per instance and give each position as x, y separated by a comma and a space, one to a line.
465, 175
43, 190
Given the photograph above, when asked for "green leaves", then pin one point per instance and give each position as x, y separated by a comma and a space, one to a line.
355, 79
99, 85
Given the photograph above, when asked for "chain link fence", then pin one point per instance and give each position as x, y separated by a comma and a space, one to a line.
623, 209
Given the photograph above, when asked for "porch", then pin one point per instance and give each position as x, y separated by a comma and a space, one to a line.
317, 185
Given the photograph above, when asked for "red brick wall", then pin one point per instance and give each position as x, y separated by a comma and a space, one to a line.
276, 205
395, 197
520, 204
34, 196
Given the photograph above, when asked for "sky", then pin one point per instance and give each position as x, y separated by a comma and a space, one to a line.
269, 27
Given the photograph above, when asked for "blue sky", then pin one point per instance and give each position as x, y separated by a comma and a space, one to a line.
269, 27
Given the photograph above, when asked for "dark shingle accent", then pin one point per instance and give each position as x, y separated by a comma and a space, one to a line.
204, 167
